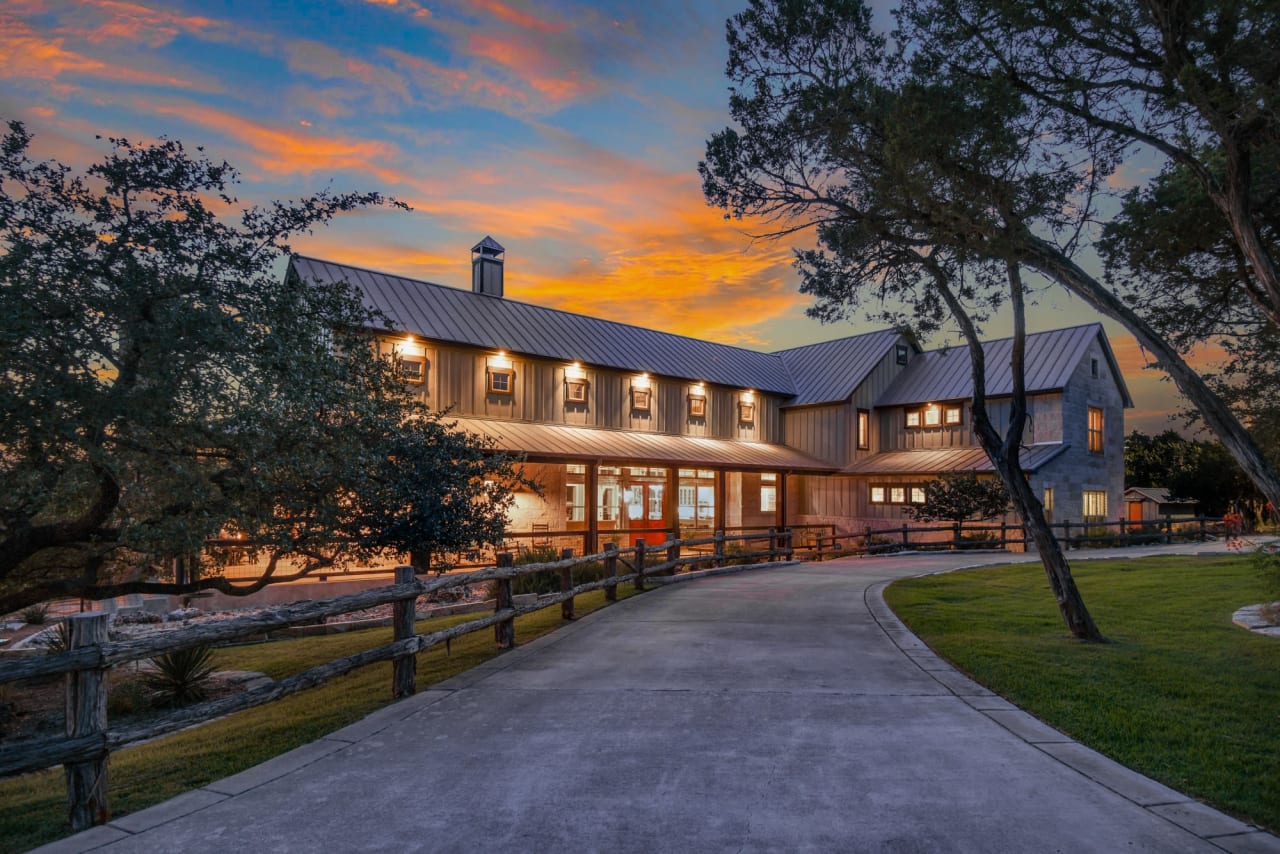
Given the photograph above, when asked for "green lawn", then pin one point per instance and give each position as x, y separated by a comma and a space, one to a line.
33, 807
1179, 693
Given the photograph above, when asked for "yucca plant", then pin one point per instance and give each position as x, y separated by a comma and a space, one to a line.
57, 639
35, 615
181, 678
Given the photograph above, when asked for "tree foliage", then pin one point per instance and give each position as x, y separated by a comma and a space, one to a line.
164, 385
960, 497
1193, 470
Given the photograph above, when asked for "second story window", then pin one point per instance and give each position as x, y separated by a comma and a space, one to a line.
864, 429
1095, 430
900, 354
641, 399
575, 390
500, 380
413, 368
952, 414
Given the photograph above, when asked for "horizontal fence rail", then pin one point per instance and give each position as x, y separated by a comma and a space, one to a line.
84, 749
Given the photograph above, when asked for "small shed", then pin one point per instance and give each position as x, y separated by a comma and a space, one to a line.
1149, 503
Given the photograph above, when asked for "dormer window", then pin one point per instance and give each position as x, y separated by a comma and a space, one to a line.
575, 390
746, 412
641, 399
697, 406
900, 353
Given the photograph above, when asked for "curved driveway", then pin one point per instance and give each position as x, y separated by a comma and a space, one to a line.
777, 710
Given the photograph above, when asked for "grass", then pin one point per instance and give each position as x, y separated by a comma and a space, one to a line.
1179, 694
33, 806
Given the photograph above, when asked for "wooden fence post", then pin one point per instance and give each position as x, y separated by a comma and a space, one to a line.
639, 585
1124, 533
566, 584
1004, 534
719, 549
955, 536
1202, 528
818, 548
673, 555
773, 544
402, 615
505, 632
87, 715
1066, 535
789, 539
866, 541
1168, 529
611, 571
905, 540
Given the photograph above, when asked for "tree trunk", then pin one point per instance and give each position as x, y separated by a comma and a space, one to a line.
1003, 453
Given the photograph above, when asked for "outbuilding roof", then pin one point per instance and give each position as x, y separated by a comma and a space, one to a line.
456, 316
1051, 357
1158, 494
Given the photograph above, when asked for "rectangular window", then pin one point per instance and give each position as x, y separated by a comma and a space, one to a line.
500, 380
1094, 505
1093, 368
877, 495
952, 415
1095, 430
746, 412
900, 353
697, 406
768, 498
913, 417
641, 399
932, 416
575, 391
413, 369
917, 495
864, 429
1048, 504
575, 499
897, 495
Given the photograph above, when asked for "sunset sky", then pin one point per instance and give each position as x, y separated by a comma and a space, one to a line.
569, 132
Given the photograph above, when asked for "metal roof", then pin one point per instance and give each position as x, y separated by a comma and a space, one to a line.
831, 371
488, 243
561, 442
456, 316
950, 459
1159, 495
1051, 357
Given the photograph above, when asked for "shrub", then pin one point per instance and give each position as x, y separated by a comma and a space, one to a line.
180, 678
35, 615
979, 540
57, 639
1266, 560
130, 697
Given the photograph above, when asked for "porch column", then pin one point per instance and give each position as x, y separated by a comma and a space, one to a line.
781, 506
720, 495
593, 508
670, 510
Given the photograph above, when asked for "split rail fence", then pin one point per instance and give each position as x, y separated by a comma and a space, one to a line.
1070, 534
88, 741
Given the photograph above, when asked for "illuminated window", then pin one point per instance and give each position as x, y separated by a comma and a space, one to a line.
575, 502
1094, 505
768, 498
1048, 504
877, 495
641, 399
917, 495
575, 391
897, 495
413, 368
932, 416
697, 406
952, 415
913, 417
1095, 430
500, 380
746, 412
864, 429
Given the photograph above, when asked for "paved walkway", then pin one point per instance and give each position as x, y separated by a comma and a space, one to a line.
776, 710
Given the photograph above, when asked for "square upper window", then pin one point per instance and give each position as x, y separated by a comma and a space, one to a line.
932, 416
952, 415
575, 391
500, 380
413, 369
697, 406
877, 495
641, 399
913, 417
746, 412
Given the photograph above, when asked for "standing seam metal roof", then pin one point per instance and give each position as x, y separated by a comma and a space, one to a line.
831, 371
449, 314
1051, 357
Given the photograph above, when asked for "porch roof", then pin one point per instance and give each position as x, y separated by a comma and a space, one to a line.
563, 442
950, 459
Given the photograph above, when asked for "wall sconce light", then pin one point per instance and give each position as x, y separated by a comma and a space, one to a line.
641, 381
500, 361
575, 372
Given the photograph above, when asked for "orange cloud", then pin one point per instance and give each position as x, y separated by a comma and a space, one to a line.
532, 64
520, 19
137, 23
294, 150
26, 54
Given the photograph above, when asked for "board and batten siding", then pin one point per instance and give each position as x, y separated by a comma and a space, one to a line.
1044, 424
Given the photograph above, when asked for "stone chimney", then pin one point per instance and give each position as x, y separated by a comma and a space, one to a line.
486, 267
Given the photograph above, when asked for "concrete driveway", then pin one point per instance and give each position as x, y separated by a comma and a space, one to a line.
774, 710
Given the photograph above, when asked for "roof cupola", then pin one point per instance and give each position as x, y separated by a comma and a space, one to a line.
486, 267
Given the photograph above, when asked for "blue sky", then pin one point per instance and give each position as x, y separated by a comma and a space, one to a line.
569, 132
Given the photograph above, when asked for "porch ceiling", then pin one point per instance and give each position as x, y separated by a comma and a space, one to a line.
949, 459
562, 442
